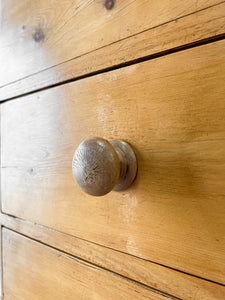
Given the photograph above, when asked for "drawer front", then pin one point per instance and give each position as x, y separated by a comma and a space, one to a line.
39, 35
45, 273
190, 28
172, 111
161, 278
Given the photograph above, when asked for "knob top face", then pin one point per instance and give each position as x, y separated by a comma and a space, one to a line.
96, 166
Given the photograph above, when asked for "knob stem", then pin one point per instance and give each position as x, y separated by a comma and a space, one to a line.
128, 164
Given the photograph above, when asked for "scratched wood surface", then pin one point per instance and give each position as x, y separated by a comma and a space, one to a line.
172, 111
177, 284
34, 271
40, 35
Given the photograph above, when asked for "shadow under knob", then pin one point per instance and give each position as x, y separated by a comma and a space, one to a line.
100, 166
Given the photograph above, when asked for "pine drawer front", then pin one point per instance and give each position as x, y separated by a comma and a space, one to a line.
172, 111
39, 35
34, 271
155, 276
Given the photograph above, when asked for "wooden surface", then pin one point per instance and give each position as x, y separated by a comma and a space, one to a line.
177, 284
34, 271
172, 111
54, 36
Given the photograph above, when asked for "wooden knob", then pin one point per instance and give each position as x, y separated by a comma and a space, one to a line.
100, 166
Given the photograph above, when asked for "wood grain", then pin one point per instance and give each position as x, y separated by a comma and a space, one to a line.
46, 274
172, 111
172, 282
45, 35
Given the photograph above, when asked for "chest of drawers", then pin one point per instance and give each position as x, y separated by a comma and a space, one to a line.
151, 74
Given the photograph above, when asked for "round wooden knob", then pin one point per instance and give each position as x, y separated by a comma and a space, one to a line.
100, 166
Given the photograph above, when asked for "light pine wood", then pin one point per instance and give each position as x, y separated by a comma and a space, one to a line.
34, 271
172, 112
42, 35
172, 282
